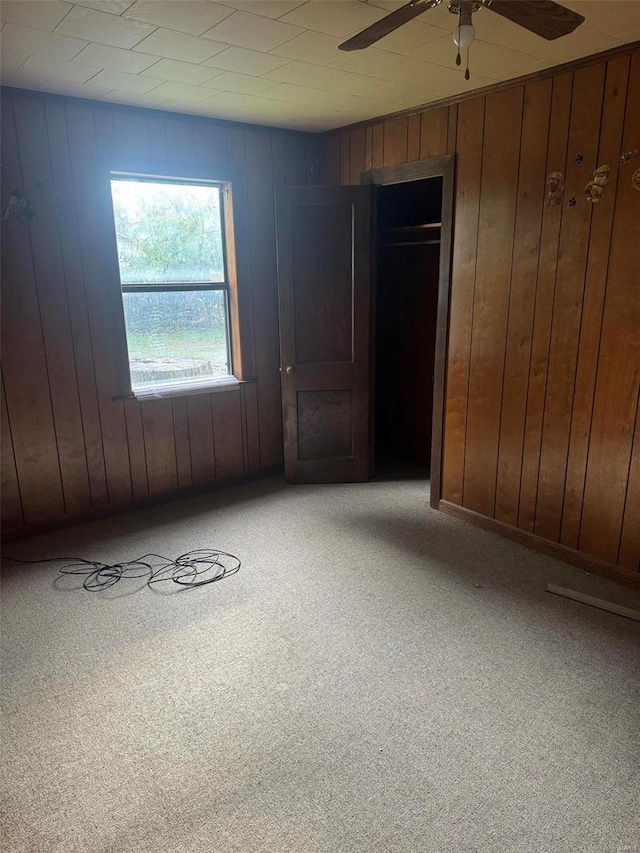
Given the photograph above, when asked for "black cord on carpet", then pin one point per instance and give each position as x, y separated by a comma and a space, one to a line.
195, 568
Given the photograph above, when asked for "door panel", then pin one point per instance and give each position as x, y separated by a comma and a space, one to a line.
324, 263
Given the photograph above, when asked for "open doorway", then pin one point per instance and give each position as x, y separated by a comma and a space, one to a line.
409, 221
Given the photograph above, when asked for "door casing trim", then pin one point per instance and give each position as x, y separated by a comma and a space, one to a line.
433, 167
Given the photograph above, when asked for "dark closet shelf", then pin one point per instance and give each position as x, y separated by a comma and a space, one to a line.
408, 228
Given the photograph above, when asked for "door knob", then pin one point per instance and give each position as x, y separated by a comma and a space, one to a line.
291, 369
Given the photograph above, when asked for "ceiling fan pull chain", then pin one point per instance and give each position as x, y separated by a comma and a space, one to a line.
458, 57
466, 73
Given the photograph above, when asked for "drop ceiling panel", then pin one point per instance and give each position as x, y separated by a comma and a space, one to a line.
252, 31
180, 72
277, 62
115, 58
103, 28
171, 14
174, 45
39, 14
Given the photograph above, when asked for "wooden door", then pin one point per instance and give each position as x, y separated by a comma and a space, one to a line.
324, 263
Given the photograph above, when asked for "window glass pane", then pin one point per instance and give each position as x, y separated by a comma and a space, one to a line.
176, 337
167, 232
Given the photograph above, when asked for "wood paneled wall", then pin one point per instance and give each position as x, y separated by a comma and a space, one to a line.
67, 448
541, 427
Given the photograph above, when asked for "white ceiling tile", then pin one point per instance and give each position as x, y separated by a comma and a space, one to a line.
245, 61
483, 58
303, 74
379, 63
103, 28
47, 69
356, 84
230, 81
267, 8
11, 61
324, 17
113, 7
76, 90
181, 72
611, 17
311, 47
252, 31
39, 14
312, 97
409, 36
181, 92
186, 16
115, 58
126, 82
38, 43
179, 46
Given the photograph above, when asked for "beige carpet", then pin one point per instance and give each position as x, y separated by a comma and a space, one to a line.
377, 677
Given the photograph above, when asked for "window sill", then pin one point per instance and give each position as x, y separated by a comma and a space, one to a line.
186, 390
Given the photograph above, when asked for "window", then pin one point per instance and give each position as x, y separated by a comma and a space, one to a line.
174, 276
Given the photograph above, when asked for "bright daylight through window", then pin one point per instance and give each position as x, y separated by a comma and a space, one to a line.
175, 287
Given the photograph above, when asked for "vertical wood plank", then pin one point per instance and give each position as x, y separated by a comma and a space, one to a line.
465, 241
433, 140
413, 137
316, 154
25, 372
593, 305
252, 427
368, 148
179, 139
159, 442
499, 181
345, 158
31, 130
210, 144
105, 139
629, 552
333, 159
131, 135
137, 455
545, 286
395, 141
529, 206
203, 463
104, 302
227, 434
77, 302
12, 516
356, 155
295, 160
452, 129
262, 151
182, 441
586, 109
616, 394
377, 155
157, 137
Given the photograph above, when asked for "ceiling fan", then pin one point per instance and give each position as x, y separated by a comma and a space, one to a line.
542, 17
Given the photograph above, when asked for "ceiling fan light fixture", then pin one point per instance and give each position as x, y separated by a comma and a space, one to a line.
464, 35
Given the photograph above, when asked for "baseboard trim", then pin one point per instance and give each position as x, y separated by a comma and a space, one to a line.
111, 510
537, 543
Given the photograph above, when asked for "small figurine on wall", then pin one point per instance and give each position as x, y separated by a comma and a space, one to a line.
595, 188
19, 208
556, 189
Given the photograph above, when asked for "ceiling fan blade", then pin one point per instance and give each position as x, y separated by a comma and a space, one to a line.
388, 24
542, 17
